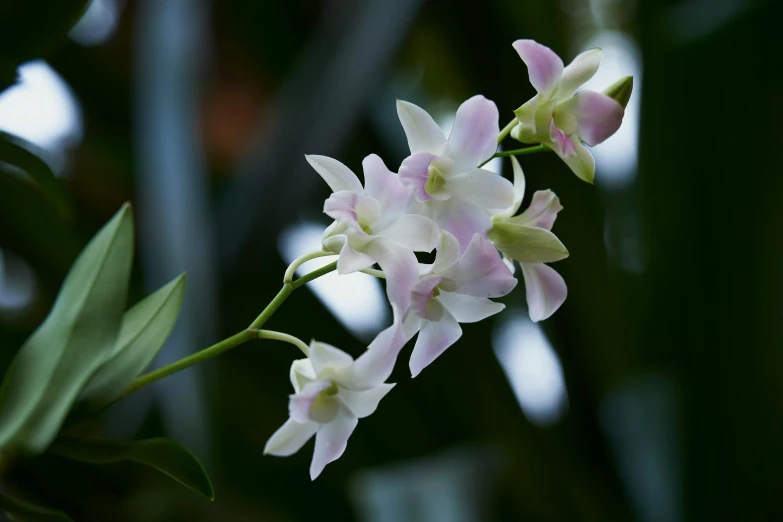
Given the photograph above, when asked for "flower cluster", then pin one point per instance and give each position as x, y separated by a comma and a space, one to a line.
442, 200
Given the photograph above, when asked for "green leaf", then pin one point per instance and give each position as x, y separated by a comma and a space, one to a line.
24, 511
144, 329
527, 244
26, 157
165, 455
55, 362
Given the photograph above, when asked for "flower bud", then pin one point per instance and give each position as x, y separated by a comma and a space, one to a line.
620, 91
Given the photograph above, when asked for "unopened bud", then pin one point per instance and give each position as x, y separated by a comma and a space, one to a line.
620, 91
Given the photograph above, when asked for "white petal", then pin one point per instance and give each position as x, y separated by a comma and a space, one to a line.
375, 365
433, 340
335, 174
509, 263
542, 211
416, 233
411, 325
447, 253
356, 211
365, 402
544, 67
483, 188
474, 136
301, 373
289, 438
519, 189
351, 260
385, 186
582, 164
326, 357
468, 309
414, 173
545, 288
401, 269
331, 441
480, 272
422, 293
299, 403
462, 219
424, 135
576, 74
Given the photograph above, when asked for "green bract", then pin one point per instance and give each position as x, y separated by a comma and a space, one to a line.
525, 243
620, 91
54, 364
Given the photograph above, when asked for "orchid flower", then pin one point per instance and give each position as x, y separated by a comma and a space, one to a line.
454, 289
559, 118
528, 239
443, 173
331, 393
371, 224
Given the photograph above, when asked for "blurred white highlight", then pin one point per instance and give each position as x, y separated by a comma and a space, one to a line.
17, 284
98, 22
356, 300
533, 370
41, 109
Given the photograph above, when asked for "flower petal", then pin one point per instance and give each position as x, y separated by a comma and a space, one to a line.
414, 173
375, 365
527, 244
542, 211
483, 188
335, 174
301, 373
582, 164
299, 403
469, 309
364, 403
351, 260
544, 67
433, 340
411, 325
474, 136
331, 441
480, 272
414, 232
447, 253
597, 115
519, 189
462, 219
576, 74
424, 135
545, 288
401, 269
562, 144
326, 357
357, 211
385, 187
422, 293
289, 438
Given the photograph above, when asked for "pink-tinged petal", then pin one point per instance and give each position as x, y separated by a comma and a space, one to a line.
416, 233
597, 115
447, 253
462, 219
544, 67
542, 211
351, 260
353, 210
385, 187
401, 269
578, 72
326, 357
562, 144
301, 373
289, 438
335, 174
331, 441
469, 309
414, 173
480, 272
375, 365
582, 164
483, 188
300, 403
433, 340
411, 325
364, 403
474, 136
422, 293
424, 135
545, 288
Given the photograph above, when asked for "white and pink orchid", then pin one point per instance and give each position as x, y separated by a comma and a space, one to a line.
443, 173
371, 224
332, 391
560, 117
454, 289
527, 238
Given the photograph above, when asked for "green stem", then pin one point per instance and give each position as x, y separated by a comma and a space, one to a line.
272, 307
517, 152
507, 130
375, 273
289, 273
314, 274
280, 336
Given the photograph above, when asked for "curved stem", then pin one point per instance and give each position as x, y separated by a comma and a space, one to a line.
517, 152
280, 336
296, 263
314, 274
507, 130
375, 273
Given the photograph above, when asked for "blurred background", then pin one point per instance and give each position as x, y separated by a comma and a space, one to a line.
654, 394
